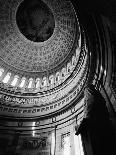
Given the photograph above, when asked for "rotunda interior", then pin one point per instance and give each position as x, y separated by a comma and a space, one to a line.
57, 77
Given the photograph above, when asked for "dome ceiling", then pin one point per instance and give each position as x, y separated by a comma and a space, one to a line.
43, 57
36, 35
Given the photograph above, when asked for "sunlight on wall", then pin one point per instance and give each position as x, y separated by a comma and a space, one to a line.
66, 146
78, 145
53, 144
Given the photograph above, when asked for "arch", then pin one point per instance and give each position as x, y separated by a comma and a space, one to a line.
15, 80
1, 71
69, 68
30, 83
58, 78
44, 83
6, 78
38, 83
23, 81
63, 74
51, 81
74, 62
77, 53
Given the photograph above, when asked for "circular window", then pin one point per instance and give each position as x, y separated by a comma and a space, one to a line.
35, 20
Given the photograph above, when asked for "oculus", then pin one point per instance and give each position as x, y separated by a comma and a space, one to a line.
35, 20
37, 36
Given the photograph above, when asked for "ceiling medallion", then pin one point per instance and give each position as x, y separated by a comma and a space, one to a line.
36, 36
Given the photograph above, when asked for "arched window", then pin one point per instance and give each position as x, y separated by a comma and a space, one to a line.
44, 83
77, 53
74, 61
1, 71
38, 83
15, 80
51, 81
69, 67
63, 74
57, 78
30, 85
6, 78
23, 80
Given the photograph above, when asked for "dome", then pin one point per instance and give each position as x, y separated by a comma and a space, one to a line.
37, 36
54, 55
43, 56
